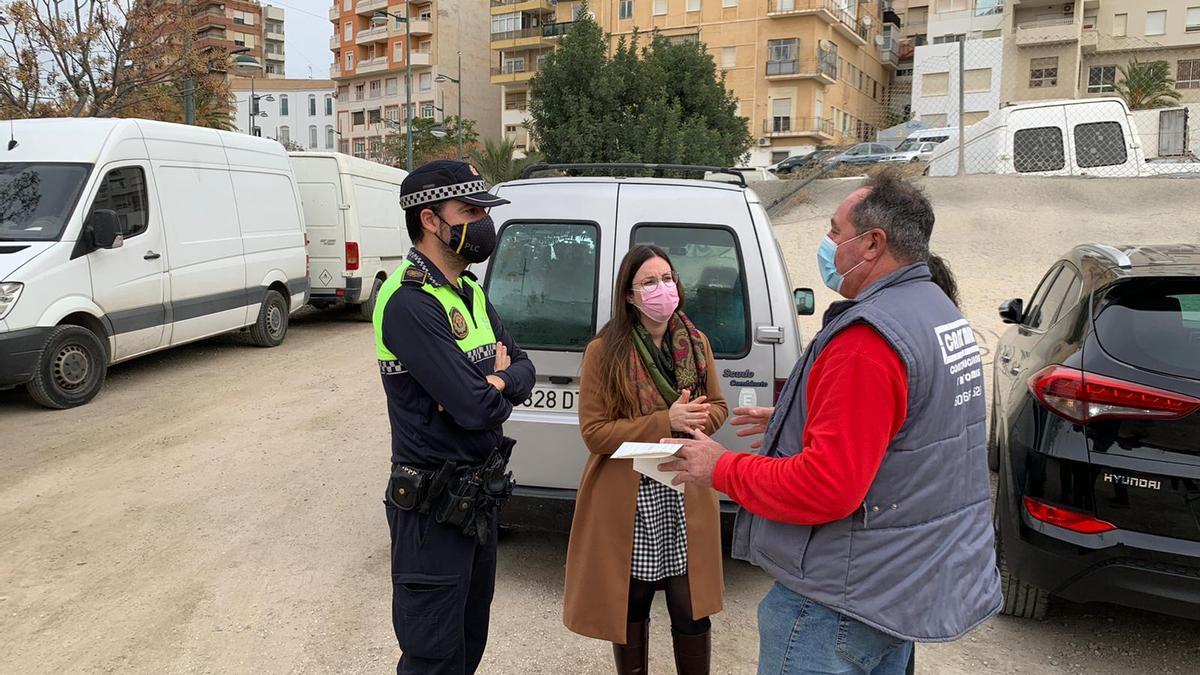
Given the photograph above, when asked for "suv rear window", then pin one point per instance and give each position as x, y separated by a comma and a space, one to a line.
1153, 324
542, 282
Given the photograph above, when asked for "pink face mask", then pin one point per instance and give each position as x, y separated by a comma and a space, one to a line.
659, 304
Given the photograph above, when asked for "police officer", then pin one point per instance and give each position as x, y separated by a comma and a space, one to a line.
452, 374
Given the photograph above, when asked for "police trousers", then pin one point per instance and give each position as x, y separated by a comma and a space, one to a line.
442, 587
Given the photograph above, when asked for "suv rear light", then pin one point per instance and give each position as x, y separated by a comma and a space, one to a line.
351, 256
1084, 397
1065, 518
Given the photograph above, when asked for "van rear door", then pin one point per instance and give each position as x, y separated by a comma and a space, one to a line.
321, 194
1099, 139
1038, 142
709, 234
550, 280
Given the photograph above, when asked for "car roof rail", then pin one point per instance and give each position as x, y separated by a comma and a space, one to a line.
1119, 257
633, 166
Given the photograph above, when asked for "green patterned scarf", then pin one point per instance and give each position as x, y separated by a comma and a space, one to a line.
686, 346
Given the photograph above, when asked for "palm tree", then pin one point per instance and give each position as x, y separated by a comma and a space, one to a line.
497, 163
1147, 85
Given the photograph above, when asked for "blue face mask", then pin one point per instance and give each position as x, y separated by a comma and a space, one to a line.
826, 262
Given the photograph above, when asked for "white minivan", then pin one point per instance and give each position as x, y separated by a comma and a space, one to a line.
561, 241
356, 232
123, 237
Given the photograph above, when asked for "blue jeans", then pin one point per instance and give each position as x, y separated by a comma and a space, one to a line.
797, 635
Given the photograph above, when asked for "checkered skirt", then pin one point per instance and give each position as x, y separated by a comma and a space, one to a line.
659, 533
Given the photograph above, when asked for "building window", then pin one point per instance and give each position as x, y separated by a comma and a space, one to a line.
989, 7
328, 105
516, 101
781, 115
374, 117
360, 148
312, 137
360, 91
1156, 22
426, 81
329, 134
344, 147
376, 147
660, 7
935, 84
1193, 19
343, 94
1043, 72
506, 23
285, 135
1188, 74
1120, 25
283, 104
781, 56
348, 32
390, 86
693, 5
375, 86
625, 10
427, 110
978, 79
934, 121
358, 118
312, 105
728, 57
949, 38
1101, 79
392, 112
349, 60
729, 3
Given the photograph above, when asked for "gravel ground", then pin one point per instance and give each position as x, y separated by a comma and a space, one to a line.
217, 509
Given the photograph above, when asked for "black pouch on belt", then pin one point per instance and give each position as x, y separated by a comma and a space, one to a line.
408, 487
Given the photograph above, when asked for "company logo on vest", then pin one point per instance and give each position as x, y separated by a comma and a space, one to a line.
956, 340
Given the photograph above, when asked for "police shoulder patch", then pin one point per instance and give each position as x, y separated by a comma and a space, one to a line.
458, 324
415, 275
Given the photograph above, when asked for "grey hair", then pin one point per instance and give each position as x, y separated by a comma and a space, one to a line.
900, 208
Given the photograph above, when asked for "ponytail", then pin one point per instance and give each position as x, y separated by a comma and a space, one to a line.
943, 277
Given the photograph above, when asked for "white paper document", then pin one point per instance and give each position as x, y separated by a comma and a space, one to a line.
646, 458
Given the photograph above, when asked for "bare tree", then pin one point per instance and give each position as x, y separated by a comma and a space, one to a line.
92, 58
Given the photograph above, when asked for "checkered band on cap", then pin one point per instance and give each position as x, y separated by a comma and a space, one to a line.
439, 194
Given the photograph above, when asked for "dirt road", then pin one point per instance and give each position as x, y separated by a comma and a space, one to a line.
218, 508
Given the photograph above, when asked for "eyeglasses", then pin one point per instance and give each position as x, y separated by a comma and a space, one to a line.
650, 285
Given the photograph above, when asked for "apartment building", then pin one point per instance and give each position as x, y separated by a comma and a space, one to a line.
805, 73
979, 26
1071, 49
225, 25
296, 111
368, 46
523, 32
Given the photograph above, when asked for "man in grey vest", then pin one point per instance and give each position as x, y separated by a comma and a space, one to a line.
870, 504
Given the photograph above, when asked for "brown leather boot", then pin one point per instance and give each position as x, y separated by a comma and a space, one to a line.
633, 657
692, 652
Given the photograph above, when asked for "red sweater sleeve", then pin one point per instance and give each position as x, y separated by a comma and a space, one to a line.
858, 399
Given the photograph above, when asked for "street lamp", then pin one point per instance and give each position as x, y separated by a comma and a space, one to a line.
442, 79
383, 15
248, 64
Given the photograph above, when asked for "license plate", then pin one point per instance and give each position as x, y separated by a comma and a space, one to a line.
552, 398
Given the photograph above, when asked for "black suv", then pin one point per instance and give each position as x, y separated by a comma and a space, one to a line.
1096, 433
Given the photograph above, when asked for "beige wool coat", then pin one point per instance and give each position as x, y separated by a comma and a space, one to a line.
600, 552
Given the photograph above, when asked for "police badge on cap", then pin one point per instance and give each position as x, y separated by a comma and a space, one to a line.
444, 179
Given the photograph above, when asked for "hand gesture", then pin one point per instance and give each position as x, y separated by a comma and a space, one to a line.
688, 415
503, 360
754, 419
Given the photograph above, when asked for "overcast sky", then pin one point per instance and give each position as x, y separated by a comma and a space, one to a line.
307, 29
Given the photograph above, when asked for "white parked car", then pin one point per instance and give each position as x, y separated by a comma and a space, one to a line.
356, 231
561, 241
750, 174
123, 237
908, 153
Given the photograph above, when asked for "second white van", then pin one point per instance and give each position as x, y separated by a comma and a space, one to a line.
123, 237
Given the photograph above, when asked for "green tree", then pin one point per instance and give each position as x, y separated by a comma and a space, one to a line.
431, 140
661, 103
1147, 85
497, 163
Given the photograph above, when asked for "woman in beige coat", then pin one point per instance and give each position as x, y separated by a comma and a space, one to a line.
649, 374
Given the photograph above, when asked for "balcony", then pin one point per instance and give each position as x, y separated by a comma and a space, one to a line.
335, 43
526, 37
274, 34
514, 73
555, 30
889, 51
1047, 32
421, 26
524, 6
802, 69
335, 13
1090, 40
792, 127
830, 11
276, 56
334, 72
370, 35
369, 7
421, 59
374, 65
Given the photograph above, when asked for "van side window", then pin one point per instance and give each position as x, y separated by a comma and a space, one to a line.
542, 282
709, 263
1099, 144
124, 190
1039, 149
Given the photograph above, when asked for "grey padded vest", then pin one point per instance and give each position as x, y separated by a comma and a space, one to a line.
917, 559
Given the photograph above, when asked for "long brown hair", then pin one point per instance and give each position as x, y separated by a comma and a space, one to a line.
620, 397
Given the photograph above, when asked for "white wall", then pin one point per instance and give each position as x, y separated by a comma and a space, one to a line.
933, 60
953, 23
297, 120
1147, 128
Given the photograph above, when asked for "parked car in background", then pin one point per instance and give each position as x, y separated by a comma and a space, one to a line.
356, 230
1096, 433
551, 277
121, 237
803, 163
750, 174
863, 153
919, 146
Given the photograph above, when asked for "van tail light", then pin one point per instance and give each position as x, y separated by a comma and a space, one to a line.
1084, 397
778, 390
351, 256
1065, 518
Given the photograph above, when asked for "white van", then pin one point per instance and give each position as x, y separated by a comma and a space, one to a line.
356, 232
1085, 137
551, 278
123, 237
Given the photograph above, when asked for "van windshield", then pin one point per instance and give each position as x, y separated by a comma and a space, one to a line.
36, 200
